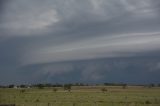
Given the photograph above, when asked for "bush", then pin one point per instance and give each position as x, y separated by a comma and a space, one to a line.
124, 86
104, 90
11, 86
23, 90
147, 102
37, 100
55, 89
67, 87
40, 86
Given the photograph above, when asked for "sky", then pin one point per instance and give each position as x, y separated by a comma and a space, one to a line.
89, 41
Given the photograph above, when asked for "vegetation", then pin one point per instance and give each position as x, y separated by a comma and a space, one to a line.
82, 96
104, 90
67, 87
47, 85
55, 89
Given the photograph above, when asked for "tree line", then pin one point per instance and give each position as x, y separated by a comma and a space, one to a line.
43, 85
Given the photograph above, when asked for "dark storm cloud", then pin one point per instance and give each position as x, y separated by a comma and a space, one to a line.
131, 70
36, 37
3, 4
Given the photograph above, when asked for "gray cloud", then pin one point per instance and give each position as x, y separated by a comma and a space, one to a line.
116, 46
95, 70
34, 33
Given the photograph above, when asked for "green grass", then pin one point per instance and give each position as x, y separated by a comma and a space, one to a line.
82, 96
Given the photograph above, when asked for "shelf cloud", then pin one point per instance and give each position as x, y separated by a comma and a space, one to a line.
81, 38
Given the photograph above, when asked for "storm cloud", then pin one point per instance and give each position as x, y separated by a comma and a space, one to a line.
59, 40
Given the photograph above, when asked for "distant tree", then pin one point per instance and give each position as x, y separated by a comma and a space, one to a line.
23, 90
124, 86
40, 86
23, 86
67, 87
81, 84
55, 89
104, 90
48, 85
111, 84
57, 85
114, 84
86, 85
151, 85
78, 84
1, 86
106, 84
11, 86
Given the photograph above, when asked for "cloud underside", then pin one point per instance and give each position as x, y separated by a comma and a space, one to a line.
128, 45
79, 38
139, 70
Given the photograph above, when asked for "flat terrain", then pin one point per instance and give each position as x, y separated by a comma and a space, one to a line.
82, 96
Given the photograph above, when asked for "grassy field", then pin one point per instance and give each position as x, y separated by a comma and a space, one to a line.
82, 96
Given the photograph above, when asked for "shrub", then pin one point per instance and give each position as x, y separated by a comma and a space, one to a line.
37, 100
67, 87
40, 86
104, 90
23, 90
147, 102
124, 86
55, 89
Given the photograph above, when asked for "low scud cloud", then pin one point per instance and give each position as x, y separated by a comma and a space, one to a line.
79, 40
